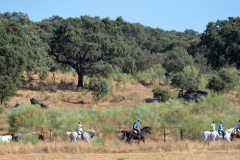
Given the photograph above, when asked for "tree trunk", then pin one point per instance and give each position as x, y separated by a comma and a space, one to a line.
80, 80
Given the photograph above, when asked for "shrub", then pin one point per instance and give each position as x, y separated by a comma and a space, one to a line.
216, 84
99, 141
98, 86
183, 81
161, 94
117, 98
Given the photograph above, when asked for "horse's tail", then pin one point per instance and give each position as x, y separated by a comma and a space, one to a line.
124, 133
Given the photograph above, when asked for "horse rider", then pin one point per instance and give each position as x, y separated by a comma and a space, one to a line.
138, 125
135, 129
220, 128
80, 129
238, 129
212, 126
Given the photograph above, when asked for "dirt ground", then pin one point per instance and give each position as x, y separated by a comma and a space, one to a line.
158, 156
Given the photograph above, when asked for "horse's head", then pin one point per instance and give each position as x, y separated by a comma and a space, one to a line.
41, 137
149, 129
93, 135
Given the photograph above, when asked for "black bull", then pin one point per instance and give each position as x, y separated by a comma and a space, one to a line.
141, 136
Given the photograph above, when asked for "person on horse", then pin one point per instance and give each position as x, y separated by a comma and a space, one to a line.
138, 126
220, 128
212, 126
238, 128
80, 129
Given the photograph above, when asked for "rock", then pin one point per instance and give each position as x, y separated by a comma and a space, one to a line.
37, 101
53, 90
194, 95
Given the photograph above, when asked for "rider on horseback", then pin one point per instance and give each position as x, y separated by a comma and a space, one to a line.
220, 128
238, 129
80, 129
212, 127
136, 128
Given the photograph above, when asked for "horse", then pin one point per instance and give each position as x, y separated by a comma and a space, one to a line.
235, 134
132, 135
75, 136
230, 130
19, 136
214, 136
127, 134
6, 138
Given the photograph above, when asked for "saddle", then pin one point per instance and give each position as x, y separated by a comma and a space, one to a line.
135, 131
79, 133
219, 132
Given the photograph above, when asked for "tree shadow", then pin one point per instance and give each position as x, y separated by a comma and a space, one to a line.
81, 102
47, 86
150, 100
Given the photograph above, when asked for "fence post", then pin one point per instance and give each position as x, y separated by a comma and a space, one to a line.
50, 135
181, 133
164, 135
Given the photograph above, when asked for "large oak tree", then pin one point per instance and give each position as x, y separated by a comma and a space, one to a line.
84, 42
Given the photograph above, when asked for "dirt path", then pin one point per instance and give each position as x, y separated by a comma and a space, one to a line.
164, 155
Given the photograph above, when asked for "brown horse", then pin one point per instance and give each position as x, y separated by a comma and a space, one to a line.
235, 134
141, 136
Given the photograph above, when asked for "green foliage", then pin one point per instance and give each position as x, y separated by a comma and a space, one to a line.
156, 74
7, 88
161, 94
216, 84
221, 40
98, 86
117, 98
177, 59
13, 46
98, 141
83, 42
183, 81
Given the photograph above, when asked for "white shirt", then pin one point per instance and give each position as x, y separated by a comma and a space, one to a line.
79, 127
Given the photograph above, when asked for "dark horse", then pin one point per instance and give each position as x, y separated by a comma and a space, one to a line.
141, 136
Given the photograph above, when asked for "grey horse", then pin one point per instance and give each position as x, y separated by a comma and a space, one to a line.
87, 134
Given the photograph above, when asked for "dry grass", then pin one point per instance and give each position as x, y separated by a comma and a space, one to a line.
172, 150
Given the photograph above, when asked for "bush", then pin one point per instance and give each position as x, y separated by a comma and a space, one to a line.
117, 98
98, 86
161, 94
183, 81
99, 141
216, 84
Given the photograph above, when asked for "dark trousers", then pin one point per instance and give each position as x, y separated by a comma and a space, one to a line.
223, 133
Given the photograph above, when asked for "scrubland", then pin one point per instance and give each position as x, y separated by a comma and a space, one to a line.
68, 106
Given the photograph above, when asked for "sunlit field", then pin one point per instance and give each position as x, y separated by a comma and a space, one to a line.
121, 150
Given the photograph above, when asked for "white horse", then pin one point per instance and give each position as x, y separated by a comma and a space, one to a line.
6, 138
86, 135
214, 136
230, 130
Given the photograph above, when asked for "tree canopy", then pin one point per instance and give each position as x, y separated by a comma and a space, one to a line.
222, 41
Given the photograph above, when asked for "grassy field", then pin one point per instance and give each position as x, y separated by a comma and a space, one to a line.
151, 150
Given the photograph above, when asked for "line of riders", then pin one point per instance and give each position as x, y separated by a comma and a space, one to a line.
221, 128
136, 129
